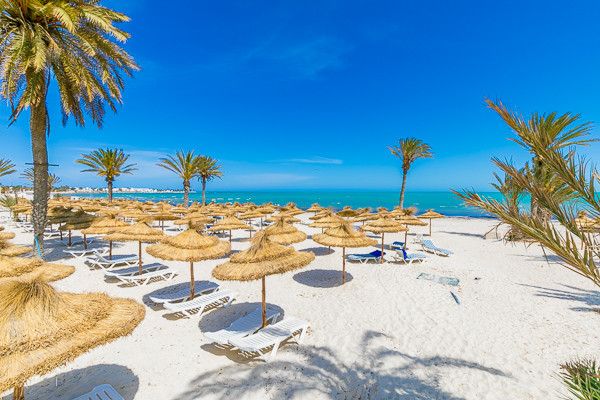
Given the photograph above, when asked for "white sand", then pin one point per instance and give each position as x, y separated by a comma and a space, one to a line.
384, 334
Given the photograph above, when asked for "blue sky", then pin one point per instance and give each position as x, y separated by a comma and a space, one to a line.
292, 94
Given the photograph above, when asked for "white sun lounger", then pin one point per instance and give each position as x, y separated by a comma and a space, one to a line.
170, 295
150, 273
85, 253
243, 326
408, 258
123, 260
198, 304
102, 392
271, 336
51, 234
431, 248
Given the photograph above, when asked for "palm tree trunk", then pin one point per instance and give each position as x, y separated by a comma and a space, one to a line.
402, 189
203, 191
186, 193
109, 185
39, 124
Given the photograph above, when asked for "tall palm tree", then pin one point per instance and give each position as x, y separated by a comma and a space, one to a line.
184, 165
549, 131
207, 169
73, 44
53, 179
108, 163
409, 150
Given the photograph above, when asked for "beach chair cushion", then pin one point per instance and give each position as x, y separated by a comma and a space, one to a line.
243, 326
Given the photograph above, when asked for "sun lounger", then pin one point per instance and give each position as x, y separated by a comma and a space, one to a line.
198, 304
51, 234
431, 248
398, 245
241, 327
150, 273
123, 260
364, 258
271, 337
409, 258
90, 252
102, 392
181, 292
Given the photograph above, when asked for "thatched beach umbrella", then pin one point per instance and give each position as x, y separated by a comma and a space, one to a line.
430, 215
282, 232
314, 208
141, 233
42, 329
385, 225
249, 216
343, 235
7, 235
11, 250
347, 211
263, 258
229, 223
192, 247
26, 268
105, 226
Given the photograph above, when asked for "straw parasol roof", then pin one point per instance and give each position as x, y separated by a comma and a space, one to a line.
315, 207
42, 329
263, 258
229, 223
327, 221
282, 232
139, 232
430, 215
385, 225
105, 226
347, 211
26, 268
343, 235
10, 250
7, 235
192, 247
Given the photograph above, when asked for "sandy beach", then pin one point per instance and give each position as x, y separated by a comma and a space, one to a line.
384, 334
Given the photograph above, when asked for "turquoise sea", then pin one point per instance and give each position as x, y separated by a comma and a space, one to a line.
444, 202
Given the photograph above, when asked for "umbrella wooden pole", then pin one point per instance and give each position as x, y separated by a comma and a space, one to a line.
19, 393
382, 247
110, 249
140, 255
264, 302
69, 243
343, 265
405, 238
230, 236
192, 281
430, 226
85, 241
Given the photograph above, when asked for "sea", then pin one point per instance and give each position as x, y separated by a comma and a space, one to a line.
446, 203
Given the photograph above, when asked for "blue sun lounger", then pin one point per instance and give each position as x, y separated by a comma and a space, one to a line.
364, 258
431, 248
398, 245
408, 258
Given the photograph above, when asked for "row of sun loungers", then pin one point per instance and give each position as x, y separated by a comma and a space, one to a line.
150, 273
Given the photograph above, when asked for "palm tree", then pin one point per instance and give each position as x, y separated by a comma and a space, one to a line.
207, 169
184, 165
53, 179
6, 167
553, 132
109, 163
409, 150
71, 43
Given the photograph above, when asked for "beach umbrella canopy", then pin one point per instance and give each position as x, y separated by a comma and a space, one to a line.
287, 217
282, 232
140, 232
192, 247
229, 223
321, 214
263, 258
78, 221
7, 235
384, 225
430, 215
10, 250
105, 226
315, 207
42, 329
25, 268
343, 235
327, 221
347, 211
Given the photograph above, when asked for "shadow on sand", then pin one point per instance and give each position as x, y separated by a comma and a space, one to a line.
68, 385
320, 251
321, 278
380, 372
589, 298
